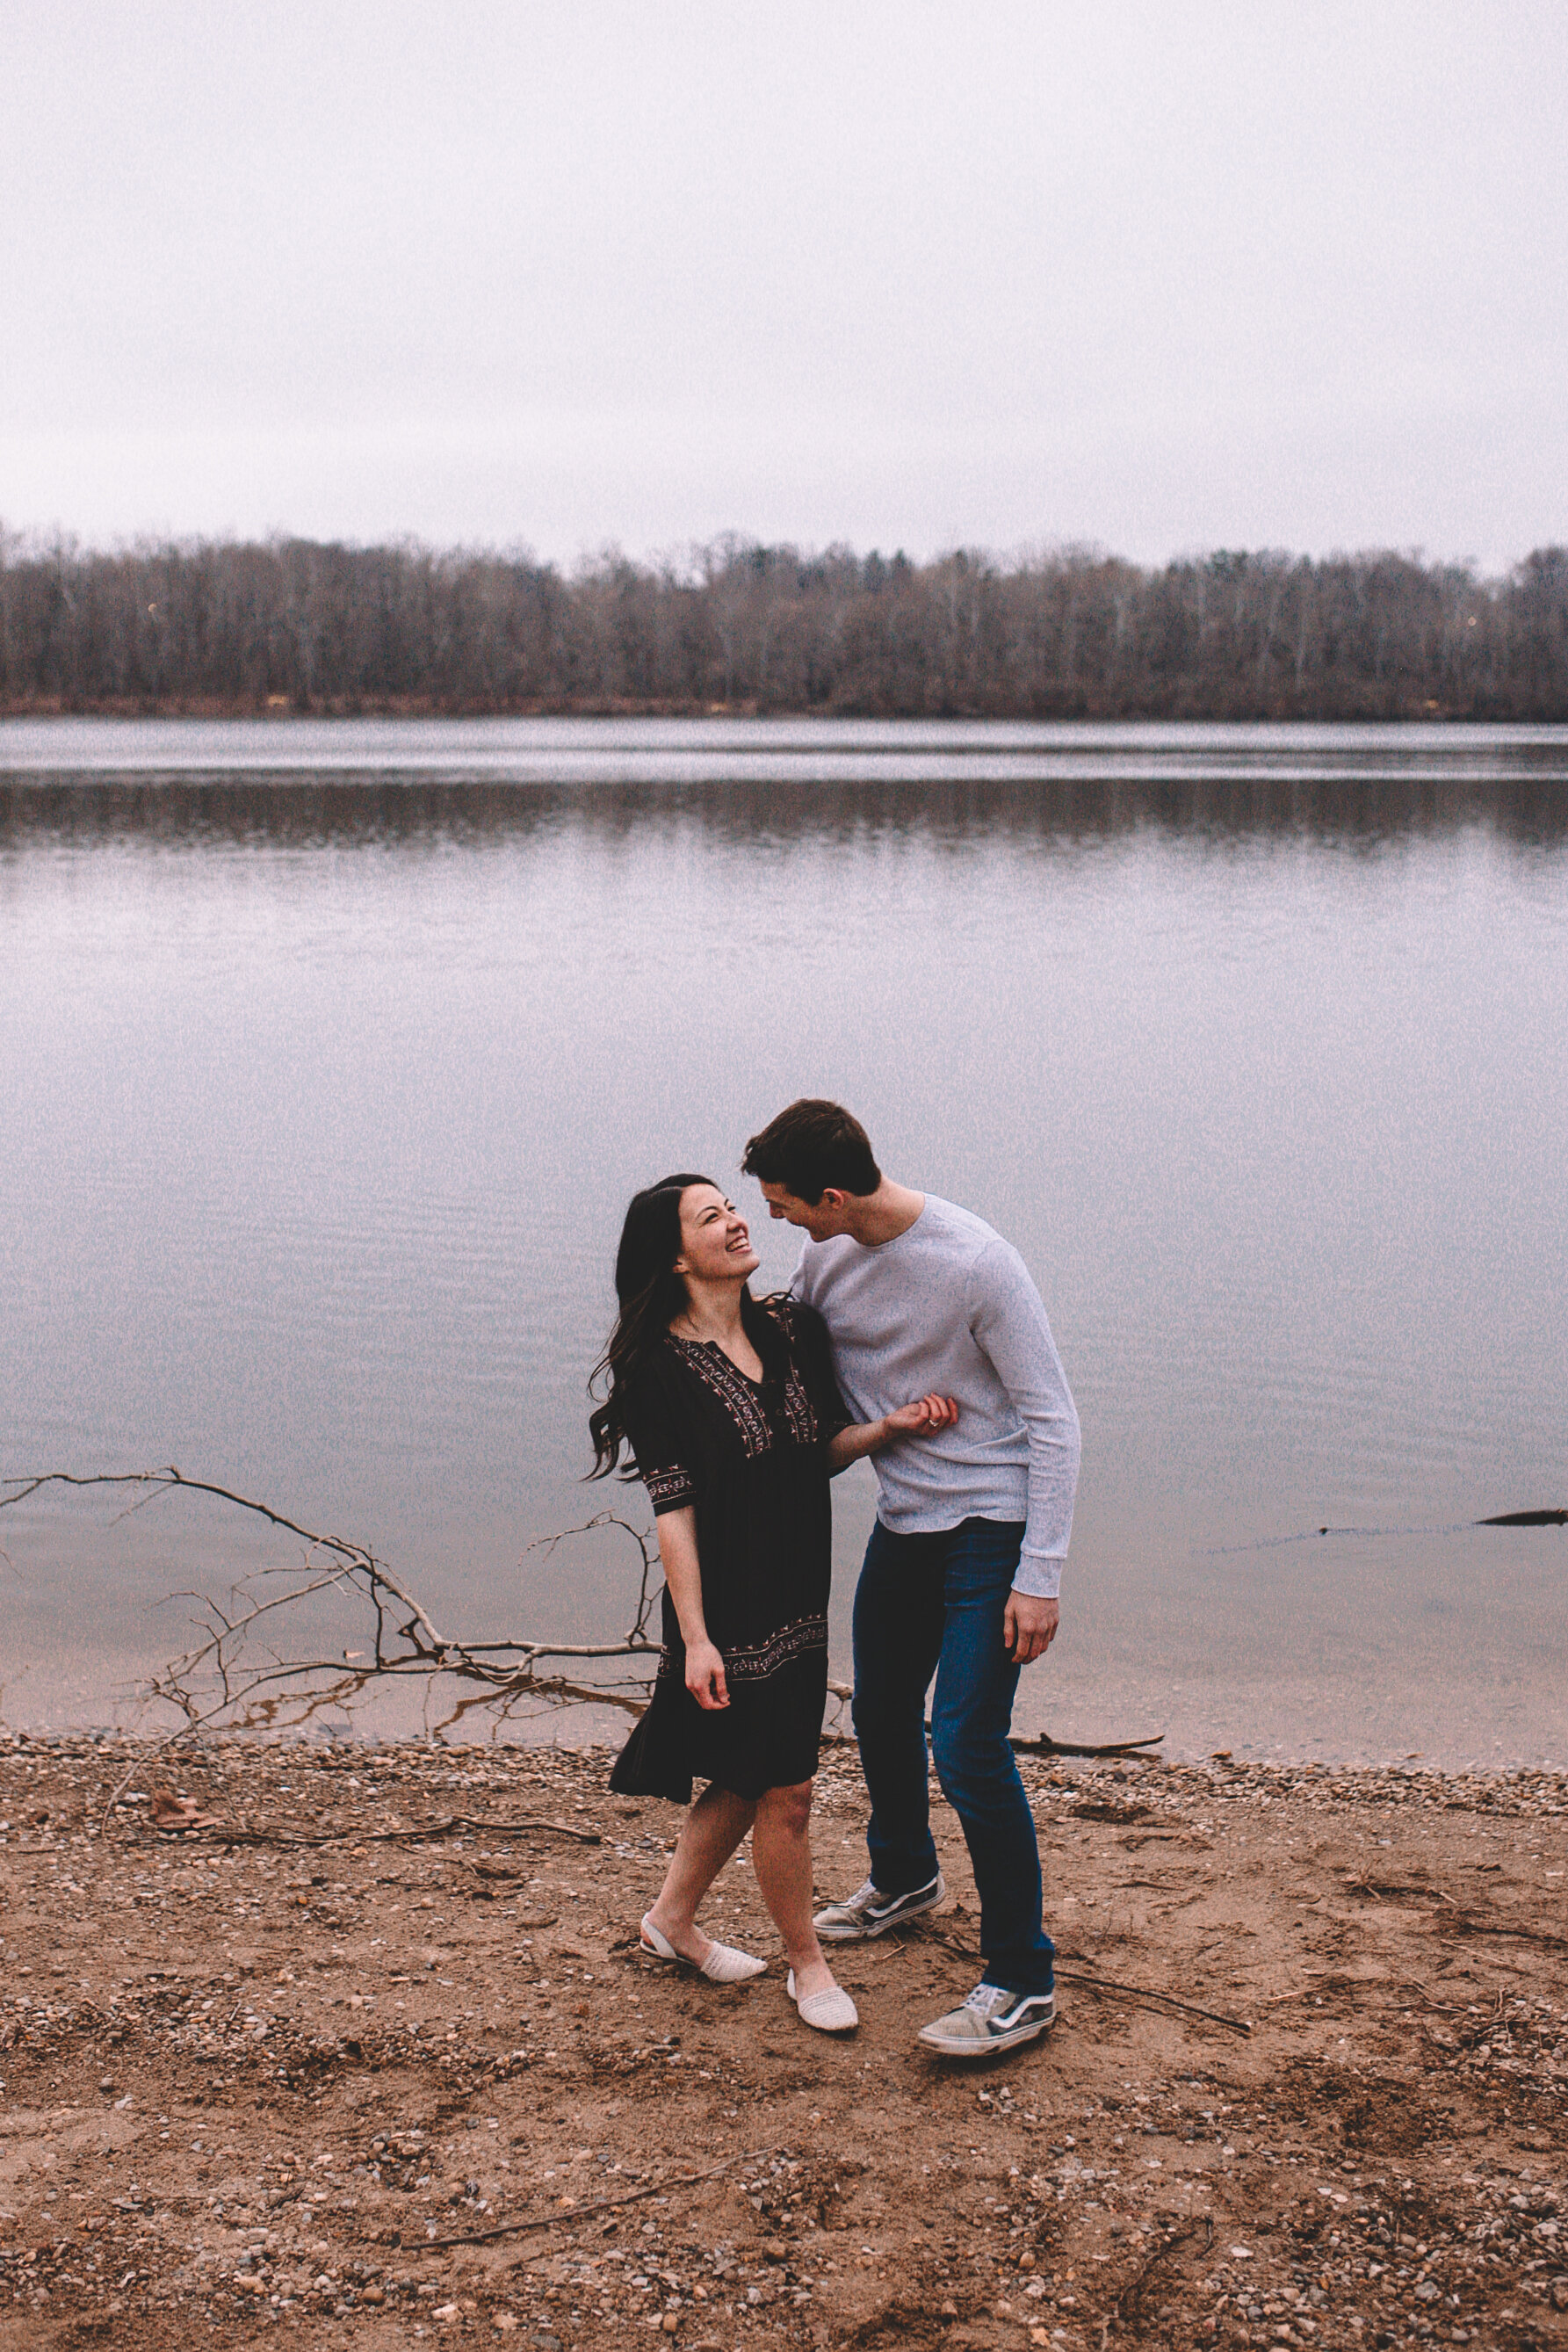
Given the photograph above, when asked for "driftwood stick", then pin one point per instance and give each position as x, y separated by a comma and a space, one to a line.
1042, 1743
1116, 1991
1463, 1924
223, 1833
603, 2205
1112, 1986
240, 1672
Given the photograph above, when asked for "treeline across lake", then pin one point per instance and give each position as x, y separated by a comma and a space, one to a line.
293, 624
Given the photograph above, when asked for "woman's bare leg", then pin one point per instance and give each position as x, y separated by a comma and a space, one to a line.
712, 1830
782, 1857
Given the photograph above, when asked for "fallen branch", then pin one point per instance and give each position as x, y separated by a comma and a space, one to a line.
222, 1678
603, 2205
1116, 1991
1112, 1986
1380, 1887
1462, 1925
1042, 1743
223, 1833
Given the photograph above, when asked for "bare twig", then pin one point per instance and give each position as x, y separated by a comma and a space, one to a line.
1378, 1887
567, 2216
1462, 1925
233, 1674
1042, 1743
1112, 1986
226, 1834
1116, 1991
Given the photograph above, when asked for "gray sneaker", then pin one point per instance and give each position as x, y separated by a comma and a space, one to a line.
992, 2019
869, 1913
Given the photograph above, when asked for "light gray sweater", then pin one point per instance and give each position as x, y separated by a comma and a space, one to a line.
949, 1306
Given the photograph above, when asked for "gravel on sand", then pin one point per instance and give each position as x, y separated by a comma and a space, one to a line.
358, 2048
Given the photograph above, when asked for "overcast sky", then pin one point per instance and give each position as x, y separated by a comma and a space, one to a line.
1163, 277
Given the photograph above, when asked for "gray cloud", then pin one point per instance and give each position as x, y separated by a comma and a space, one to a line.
1162, 276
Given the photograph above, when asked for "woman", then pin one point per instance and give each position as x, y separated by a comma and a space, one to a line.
729, 1408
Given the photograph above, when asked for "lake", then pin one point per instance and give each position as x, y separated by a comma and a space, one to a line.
329, 1053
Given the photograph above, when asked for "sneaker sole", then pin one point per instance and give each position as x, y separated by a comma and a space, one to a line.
968, 2048
845, 1934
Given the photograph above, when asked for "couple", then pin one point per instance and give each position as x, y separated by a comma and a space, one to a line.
738, 1411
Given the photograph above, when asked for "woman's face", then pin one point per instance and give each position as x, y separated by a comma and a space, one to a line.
714, 1244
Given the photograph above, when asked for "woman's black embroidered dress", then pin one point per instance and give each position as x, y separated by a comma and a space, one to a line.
752, 1457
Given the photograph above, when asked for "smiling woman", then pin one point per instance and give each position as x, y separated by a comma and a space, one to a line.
735, 1423
727, 1405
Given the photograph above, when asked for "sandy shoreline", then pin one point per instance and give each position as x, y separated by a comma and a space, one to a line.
259, 2077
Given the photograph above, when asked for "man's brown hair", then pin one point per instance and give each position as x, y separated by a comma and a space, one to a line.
811, 1146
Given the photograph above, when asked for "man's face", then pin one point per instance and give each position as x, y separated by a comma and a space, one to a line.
822, 1219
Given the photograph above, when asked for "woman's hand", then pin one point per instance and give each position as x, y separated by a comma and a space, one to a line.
916, 1420
704, 1676
925, 1414
678, 1551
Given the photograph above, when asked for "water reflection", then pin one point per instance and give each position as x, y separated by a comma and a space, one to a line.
324, 1094
378, 808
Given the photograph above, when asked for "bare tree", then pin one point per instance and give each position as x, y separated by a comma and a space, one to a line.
289, 624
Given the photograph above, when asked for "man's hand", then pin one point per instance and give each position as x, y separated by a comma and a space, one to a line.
1028, 1625
704, 1676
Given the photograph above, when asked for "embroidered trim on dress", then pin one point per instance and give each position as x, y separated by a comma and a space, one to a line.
671, 1485
739, 1398
733, 1390
756, 1665
789, 1642
804, 1426
797, 1408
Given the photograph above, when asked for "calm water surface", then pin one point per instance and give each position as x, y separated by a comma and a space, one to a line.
329, 1054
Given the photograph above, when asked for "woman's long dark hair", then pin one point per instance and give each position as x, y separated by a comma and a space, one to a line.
651, 1294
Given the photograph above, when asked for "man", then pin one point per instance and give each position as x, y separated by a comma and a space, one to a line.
963, 1571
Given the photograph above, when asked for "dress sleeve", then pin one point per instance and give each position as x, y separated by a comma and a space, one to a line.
655, 1442
814, 1361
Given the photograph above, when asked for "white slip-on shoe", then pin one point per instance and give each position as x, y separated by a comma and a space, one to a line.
723, 1964
831, 2011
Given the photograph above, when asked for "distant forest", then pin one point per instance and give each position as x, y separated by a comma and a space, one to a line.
292, 624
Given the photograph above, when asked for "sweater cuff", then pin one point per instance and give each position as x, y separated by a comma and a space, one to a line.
1038, 1577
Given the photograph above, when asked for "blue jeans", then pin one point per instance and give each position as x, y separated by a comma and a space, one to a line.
933, 1604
